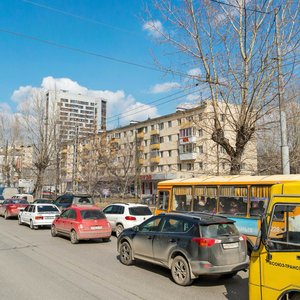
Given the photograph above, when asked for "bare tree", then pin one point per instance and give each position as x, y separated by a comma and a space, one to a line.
40, 120
233, 46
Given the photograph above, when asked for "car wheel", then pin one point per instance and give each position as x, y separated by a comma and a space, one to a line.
32, 226
5, 215
295, 297
73, 237
180, 271
53, 231
119, 229
125, 254
19, 221
106, 239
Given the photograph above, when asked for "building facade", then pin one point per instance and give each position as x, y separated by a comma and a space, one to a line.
177, 145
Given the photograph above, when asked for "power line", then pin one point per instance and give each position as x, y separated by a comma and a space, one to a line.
117, 60
78, 16
235, 6
141, 108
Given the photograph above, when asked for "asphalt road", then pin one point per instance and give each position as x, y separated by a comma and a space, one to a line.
34, 265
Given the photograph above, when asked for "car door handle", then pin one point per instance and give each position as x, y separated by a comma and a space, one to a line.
171, 240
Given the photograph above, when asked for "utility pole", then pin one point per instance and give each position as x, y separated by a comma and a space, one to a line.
285, 162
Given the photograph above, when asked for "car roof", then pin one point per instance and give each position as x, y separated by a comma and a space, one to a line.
84, 207
128, 204
202, 218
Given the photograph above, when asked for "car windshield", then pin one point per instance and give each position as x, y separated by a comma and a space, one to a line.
16, 201
140, 211
217, 230
47, 208
92, 214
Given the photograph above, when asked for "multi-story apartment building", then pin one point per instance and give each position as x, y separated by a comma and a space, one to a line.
177, 145
77, 114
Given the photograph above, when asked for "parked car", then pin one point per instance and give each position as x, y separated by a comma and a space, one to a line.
27, 197
41, 200
66, 200
126, 215
189, 244
38, 214
82, 223
11, 207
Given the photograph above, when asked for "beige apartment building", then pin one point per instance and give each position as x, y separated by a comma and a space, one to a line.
177, 145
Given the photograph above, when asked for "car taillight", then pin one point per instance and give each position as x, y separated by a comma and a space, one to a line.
206, 242
130, 218
242, 237
39, 217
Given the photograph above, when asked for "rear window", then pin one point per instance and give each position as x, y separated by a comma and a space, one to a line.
47, 208
140, 211
92, 214
82, 200
217, 230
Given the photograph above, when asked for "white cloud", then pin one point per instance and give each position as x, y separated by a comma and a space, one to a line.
121, 108
194, 72
5, 109
154, 28
164, 87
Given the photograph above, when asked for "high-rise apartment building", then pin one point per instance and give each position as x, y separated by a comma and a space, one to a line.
77, 114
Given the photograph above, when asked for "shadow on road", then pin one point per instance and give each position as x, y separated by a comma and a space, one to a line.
236, 287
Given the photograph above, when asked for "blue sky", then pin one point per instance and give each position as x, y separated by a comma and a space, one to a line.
111, 28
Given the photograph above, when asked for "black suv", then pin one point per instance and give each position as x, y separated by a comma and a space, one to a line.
189, 244
66, 200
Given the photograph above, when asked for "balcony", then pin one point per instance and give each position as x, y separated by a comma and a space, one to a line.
154, 132
155, 160
187, 140
188, 156
140, 135
155, 146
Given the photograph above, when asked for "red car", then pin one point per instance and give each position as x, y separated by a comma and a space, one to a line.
82, 223
11, 207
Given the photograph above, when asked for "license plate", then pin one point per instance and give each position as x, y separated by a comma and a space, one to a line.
49, 218
230, 245
96, 227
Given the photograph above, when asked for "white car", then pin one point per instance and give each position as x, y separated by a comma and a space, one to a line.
126, 215
38, 214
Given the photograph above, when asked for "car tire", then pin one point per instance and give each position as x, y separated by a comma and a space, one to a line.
5, 215
19, 221
32, 226
180, 271
119, 229
73, 237
125, 254
53, 231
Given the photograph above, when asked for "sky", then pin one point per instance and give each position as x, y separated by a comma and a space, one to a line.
101, 48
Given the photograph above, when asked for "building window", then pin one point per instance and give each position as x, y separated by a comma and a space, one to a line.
145, 142
200, 132
170, 138
161, 126
146, 169
200, 165
170, 153
152, 169
179, 121
161, 139
146, 129
169, 167
145, 155
200, 149
179, 167
190, 167
161, 153
160, 168
222, 150
187, 148
170, 124
152, 127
